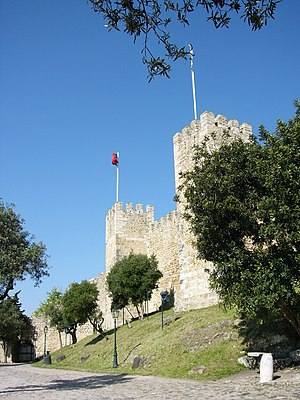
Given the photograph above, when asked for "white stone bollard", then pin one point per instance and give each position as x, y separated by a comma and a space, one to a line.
266, 368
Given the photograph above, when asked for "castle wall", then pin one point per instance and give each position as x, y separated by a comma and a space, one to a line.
54, 340
163, 242
169, 239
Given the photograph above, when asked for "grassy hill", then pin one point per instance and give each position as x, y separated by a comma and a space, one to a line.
192, 339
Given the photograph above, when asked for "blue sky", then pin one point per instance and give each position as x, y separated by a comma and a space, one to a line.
71, 93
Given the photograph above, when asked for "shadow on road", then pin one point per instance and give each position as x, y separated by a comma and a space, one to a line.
88, 382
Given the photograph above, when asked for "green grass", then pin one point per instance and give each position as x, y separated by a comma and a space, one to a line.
193, 338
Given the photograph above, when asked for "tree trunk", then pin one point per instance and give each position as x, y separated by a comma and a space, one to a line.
74, 337
289, 315
129, 312
97, 324
139, 313
5, 350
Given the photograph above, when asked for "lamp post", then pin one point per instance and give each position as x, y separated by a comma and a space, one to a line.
45, 340
164, 298
148, 297
34, 337
115, 313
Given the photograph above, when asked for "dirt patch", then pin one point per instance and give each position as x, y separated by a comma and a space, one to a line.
200, 338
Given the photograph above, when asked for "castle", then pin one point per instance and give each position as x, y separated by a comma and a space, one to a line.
135, 229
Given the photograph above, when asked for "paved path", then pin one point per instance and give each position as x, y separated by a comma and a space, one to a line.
21, 381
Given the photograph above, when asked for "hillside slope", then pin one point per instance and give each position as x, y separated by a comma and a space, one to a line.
198, 344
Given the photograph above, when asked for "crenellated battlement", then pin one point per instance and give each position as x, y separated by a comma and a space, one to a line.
165, 221
214, 130
208, 124
130, 210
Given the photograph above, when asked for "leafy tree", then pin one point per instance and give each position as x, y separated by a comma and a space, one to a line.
243, 205
20, 256
132, 279
13, 323
79, 304
152, 19
52, 310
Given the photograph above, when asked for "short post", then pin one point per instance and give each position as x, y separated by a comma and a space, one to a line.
266, 368
115, 314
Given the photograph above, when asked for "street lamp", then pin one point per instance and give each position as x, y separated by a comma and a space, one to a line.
45, 340
47, 357
34, 337
115, 314
148, 297
164, 298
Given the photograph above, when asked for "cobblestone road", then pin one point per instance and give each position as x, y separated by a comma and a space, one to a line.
21, 381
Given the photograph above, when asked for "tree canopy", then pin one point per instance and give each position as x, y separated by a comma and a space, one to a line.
79, 305
243, 205
14, 324
152, 20
76, 306
132, 279
52, 310
20, 256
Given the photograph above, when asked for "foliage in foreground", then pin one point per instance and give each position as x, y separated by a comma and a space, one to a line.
20, 257
153, 19
243, 204
193, 338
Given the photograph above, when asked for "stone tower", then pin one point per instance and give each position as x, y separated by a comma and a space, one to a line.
194, 289
135, 230
126, 231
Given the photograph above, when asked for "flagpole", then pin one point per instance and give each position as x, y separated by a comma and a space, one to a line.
117, 176
117, 186
193, 80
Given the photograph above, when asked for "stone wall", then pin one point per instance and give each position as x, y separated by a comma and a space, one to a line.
134, 229
163, 243
53, 339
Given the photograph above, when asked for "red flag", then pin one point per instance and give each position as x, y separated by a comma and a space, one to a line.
114, 159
